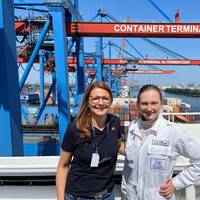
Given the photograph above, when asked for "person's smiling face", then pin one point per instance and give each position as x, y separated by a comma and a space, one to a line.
149, 104
99, 102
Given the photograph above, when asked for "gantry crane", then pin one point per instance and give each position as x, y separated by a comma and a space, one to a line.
57, 24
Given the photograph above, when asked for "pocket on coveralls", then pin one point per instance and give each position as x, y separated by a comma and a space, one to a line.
158, 165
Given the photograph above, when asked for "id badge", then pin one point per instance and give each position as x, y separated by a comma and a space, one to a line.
94, 160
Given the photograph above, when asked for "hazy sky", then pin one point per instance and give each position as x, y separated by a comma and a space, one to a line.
143, 11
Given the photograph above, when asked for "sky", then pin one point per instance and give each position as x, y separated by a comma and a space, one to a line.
144, 11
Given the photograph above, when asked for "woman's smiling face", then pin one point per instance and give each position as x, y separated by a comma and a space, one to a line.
99, 102
149, 104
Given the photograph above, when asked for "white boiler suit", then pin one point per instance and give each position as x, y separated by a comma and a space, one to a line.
151, 160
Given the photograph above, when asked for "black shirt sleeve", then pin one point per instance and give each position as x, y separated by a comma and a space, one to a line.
70, 138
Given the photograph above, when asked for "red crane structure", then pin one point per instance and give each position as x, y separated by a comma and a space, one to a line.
116, 61
113, 29
158, 30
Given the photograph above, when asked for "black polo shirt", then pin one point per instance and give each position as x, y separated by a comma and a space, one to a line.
83, 180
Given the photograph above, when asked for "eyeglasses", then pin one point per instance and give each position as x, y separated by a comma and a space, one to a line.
96, 99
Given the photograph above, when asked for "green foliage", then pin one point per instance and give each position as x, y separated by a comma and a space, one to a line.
185, 91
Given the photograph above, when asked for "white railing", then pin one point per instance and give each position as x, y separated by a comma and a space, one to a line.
189, 117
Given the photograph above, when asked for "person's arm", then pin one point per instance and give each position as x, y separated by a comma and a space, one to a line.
188, 148
61, 174
121, 147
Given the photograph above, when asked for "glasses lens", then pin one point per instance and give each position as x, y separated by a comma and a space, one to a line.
106, 99
96, 99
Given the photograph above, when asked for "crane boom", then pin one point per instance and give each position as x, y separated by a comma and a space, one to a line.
162, 30
118, 29
167, 62
116, 61
118, 71
144, 72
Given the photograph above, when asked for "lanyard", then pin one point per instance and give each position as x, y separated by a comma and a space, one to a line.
94, 139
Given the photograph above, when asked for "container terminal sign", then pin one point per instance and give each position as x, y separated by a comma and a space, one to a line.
191, 30
157, 28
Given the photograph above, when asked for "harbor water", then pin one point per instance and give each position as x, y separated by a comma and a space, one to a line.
193, 101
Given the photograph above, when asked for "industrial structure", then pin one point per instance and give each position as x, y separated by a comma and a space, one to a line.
55, 41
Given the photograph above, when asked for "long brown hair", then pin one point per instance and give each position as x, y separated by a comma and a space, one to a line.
83, 123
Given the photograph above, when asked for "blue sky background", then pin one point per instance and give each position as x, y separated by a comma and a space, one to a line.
143, 11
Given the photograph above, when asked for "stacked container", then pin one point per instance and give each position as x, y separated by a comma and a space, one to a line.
126, 110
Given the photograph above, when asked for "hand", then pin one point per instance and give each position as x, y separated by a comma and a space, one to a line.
168, 189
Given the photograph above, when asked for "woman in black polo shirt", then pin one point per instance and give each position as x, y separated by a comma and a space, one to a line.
90, 146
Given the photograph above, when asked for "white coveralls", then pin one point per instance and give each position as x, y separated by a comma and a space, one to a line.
151, 160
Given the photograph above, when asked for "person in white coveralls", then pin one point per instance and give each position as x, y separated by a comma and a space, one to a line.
152, 148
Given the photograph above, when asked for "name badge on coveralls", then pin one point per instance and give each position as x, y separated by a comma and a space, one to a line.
94, 160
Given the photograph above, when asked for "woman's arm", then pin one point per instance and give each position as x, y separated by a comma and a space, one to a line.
61, 174
121, 147
189, 148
